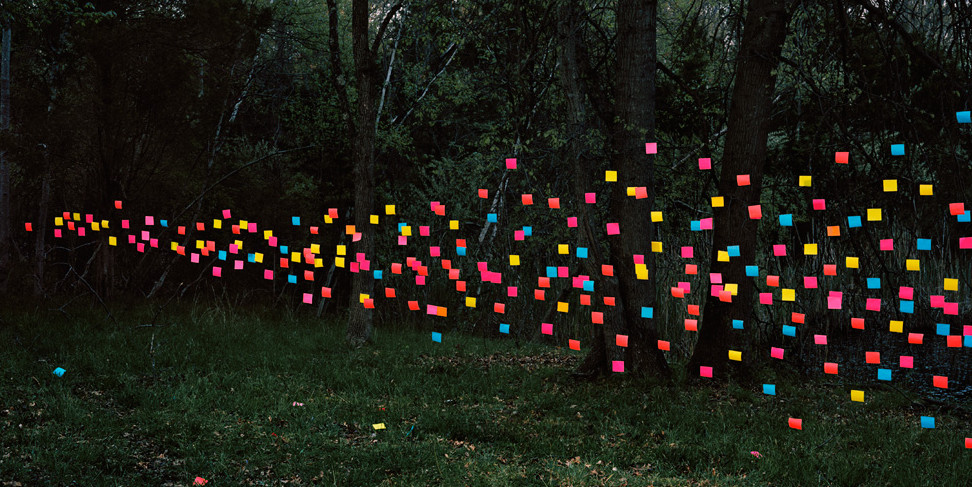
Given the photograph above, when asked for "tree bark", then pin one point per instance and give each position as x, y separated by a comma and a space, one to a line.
750, 109
366, 79
5, 208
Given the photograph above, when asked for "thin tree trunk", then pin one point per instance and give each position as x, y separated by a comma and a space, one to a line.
366, 77
40, 254
745, 153
5, 209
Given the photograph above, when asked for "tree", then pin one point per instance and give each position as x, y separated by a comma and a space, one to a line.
5, 208
745, 152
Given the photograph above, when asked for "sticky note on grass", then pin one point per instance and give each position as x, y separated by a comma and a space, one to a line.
857, 396
769, 389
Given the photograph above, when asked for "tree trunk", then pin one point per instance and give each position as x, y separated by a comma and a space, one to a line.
745, 153
5, 209
40, 254
366, 78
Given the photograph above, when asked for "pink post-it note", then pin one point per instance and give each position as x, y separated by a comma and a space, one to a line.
766, 298
238, 265
511, 163
227, 214
779, 250
424, 230
518, 235
194, 258
820, 339
742, 180
651, 148
639, 258
965, 242
715, 277
546, 328
308, 298
833, 302
572, 222
951, 309
705, 163
706, 224
590, 198
907, 362
251, 227
149, 220
687, 252
217, 272
617, 365
873, 304
905, 292
937, 301
268, 274
810, 282
613, 229
705, 371
819, 204
510, 290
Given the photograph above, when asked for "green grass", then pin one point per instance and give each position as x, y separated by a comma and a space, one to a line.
218, 404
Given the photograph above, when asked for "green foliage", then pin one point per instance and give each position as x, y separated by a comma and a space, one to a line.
208, 391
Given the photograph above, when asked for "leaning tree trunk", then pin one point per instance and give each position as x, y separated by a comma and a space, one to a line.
764, 31
366, 75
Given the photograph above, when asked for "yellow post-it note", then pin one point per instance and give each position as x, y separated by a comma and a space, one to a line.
656, 246
806, 181
113, 241
378, 426
374, 219
339, 262
656, 216
913, 265
267, 234
95, 226
406, 231
632, 190
789, 295
342, 250
926, 190
810, 249
315, 248
890, 185
611, 176
389, 209
718, 201
328, 219
217, 224
851, 262
58, 222
295, 257
735, 355
896, 326
174, 246
857, 396
732, 288
641, 272
453, 224
951, 284
562, 307
873, 214
722, 256
563, 249
514, 259
258, 257
470, 302
104, 223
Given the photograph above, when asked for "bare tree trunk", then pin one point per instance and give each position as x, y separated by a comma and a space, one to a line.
5, 209
366, 78
748, 129
40, 253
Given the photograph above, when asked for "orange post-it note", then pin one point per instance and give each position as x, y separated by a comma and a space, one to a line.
574, 344
755, 212
796, 423
841, 157
742, 180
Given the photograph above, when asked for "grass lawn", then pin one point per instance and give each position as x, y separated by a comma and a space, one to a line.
218, 403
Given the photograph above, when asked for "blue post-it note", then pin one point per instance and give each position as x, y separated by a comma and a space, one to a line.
943, 329
737, 324
769, 389
967, 341
436, 337
884, 374
59, 372
295, 220
924, 244
461, 251
527, 231
251, 258
222, 255
505, 328
964, 217
853, 221
401, 225
752, 271
897, 149
928, 422
647, 312
164, 223
874, 283
491, 217
292, 279
789, 330
551, 271
696, 226
786, 220
964, 117
378, 274
733, 250
284, 249
581, 252
906, 306
589, 286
